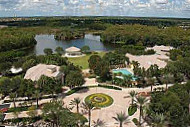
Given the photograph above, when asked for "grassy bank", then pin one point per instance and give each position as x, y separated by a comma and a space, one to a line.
83, 61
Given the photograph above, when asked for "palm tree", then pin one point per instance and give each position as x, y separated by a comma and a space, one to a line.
133, 95
88, 106
37, 96
166, 79
127, 79
141, 102
121, 118
16, 115
41, 82
64, 70
113, 77
13, 98
151, 81
59, 51
76, 102
158, 120
98, 123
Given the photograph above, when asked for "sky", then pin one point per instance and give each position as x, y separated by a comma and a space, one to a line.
136, 8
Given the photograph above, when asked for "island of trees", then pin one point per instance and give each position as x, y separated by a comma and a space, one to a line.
69, 34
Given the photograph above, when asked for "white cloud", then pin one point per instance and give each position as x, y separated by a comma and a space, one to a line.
95, 7
161, 1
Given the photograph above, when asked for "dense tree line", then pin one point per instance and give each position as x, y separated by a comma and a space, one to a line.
15, 39
85, 21
69, 34
134, 50
26, 88
145, 35
173, 105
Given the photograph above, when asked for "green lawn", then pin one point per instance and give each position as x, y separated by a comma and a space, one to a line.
83, 61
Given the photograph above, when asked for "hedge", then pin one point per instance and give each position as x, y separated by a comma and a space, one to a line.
135, 121
132, 110
19, 109
43, 97
109, 87
74, 90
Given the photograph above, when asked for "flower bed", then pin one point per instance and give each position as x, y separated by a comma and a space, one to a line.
100, 100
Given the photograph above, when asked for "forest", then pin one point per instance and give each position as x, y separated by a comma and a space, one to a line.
146, 35
15, 39
86, 21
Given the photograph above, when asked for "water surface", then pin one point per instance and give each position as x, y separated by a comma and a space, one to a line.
93, 41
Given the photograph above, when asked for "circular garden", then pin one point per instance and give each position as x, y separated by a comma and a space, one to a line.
100, 100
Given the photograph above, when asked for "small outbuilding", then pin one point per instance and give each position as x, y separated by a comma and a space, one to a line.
73, 51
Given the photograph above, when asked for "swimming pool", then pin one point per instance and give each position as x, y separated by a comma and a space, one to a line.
123, 71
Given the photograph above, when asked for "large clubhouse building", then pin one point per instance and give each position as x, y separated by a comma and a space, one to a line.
37, 71
160, 58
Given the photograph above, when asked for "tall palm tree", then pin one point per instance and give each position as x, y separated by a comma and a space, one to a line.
88, 106
41, 82
141, 101
13, 98
98, 123
76, 102
133, 95
37, 96
151, 81
16, 115
121, 118
158, 120
64, 70
127, 79
166, 79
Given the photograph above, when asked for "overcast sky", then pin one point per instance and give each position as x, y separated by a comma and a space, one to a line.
142, 8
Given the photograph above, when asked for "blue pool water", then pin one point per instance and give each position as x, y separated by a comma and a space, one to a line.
123, 71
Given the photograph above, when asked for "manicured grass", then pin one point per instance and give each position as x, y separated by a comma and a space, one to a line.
100, 100
83, 61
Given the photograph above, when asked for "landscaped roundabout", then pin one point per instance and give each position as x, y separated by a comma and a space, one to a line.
100, 100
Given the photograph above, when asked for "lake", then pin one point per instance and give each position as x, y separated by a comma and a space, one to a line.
93, 41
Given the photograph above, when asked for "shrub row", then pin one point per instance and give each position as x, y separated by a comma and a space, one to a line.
74, 90
18, 109
109, 87
31, 99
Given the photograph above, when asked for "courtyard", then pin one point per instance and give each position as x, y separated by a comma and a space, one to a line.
121, 102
